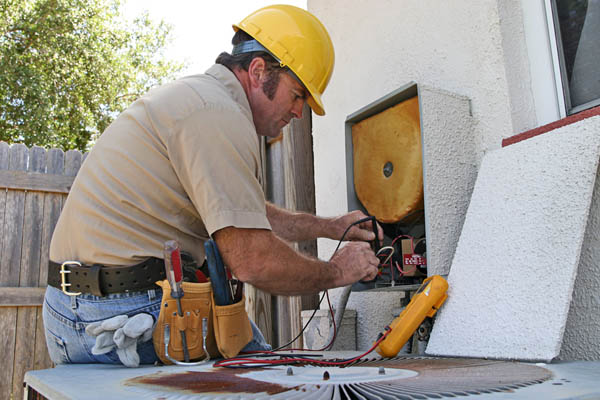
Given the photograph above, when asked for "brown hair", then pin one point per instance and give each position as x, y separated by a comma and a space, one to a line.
243, 60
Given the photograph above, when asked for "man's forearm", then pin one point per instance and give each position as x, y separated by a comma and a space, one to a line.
262, 259
296, 226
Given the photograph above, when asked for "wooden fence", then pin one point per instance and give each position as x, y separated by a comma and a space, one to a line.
33, 185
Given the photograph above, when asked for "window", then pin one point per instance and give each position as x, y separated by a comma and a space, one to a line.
577, 28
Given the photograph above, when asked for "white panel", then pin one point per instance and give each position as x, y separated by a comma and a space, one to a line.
512, 276
449, 171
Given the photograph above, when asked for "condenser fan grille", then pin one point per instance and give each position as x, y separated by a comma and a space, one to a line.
397, 378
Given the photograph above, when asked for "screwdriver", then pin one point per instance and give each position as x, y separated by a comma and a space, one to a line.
172, 256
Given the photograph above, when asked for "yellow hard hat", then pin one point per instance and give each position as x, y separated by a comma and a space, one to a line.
299, 41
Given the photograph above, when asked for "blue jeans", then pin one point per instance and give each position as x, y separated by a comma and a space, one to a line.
66, 317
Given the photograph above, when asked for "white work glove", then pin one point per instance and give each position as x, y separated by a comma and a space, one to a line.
123, 333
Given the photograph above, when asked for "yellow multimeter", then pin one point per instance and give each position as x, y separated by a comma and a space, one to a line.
425, 303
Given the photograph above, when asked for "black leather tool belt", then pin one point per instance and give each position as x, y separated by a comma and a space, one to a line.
74, 278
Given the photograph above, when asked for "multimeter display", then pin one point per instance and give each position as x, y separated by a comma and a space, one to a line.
425, 303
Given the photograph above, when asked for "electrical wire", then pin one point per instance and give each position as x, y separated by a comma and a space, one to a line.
412, 241
305, 325
389, 256
360, 221
325, 294
248, 362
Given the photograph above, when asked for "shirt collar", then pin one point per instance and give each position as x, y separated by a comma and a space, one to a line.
233, 86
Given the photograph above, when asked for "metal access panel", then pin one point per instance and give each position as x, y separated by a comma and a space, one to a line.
448, 159
370, 378
398, 96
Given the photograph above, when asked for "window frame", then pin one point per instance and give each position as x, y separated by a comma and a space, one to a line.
558, 57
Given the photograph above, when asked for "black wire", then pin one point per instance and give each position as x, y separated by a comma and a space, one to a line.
304, 327
360, 221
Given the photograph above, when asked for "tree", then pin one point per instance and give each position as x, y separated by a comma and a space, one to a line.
68, 67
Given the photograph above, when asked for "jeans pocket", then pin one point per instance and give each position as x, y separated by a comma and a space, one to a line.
56, 348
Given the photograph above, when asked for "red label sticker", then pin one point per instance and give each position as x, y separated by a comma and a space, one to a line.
414, 259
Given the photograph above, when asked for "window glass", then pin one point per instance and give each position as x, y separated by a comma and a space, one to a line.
578, 32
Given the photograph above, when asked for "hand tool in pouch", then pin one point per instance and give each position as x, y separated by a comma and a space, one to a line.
218, 276
233, 330
172, 258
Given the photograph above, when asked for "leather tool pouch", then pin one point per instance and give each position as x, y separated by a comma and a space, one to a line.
229, 328
197, 301
232, 328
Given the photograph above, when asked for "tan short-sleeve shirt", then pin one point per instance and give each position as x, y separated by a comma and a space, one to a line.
181, 163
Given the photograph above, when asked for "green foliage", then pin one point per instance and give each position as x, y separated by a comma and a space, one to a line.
68, 67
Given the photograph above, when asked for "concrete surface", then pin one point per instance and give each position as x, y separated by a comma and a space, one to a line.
513, 273
316, 335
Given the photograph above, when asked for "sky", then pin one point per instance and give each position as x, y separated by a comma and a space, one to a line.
201, 29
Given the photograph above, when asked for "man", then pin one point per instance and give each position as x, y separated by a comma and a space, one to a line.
183, 163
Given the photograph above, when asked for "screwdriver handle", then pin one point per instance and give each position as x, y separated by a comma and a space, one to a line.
172, 257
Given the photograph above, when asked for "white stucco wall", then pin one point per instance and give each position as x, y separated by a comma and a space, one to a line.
581, 340
460, 47
381, 45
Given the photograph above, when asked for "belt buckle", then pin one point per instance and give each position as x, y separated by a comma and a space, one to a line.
63, 277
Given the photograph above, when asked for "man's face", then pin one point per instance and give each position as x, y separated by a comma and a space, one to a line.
272, 114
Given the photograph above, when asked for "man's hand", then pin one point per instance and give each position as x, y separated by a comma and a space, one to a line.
355, 262
361, 232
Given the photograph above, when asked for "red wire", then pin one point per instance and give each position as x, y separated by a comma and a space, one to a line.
239, 361
248, 362
412, 246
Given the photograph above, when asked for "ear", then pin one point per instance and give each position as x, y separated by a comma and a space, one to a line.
256, 71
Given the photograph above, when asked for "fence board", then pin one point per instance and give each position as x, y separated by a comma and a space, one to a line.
9, 268
41, 182
21, 296
55, 164
258, 306
4, 157
24, 341
13, 222
32, 223
8, 320
6, 316
29, 271
72, 162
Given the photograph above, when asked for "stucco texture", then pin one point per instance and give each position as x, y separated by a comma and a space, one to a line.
581, 340
513, 274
